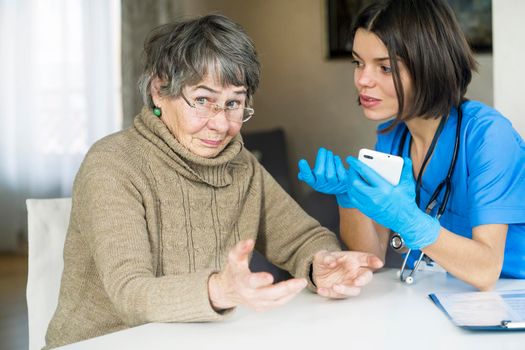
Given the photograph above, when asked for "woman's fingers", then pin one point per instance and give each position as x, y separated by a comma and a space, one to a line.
330, 174
340, 169
275, 295
305, 172
354, 261
259, 279
281, 301
338, 293
342, 274
407, 173
344, 291
238, 255
285, 299
281, 289
325, 258
319, 168
367, 173
254, 290
266, 295
368, 260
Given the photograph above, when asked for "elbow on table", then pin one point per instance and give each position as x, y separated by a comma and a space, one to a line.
487, 280
486, 287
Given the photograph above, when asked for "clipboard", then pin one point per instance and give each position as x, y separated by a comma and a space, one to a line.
484, 311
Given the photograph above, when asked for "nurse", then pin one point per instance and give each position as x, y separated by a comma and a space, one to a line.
412, 69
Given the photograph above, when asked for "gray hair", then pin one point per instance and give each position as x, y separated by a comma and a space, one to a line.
183, 53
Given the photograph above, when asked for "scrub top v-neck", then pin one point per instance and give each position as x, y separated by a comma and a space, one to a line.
488, 183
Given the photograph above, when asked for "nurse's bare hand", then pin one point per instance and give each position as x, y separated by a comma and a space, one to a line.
237, 285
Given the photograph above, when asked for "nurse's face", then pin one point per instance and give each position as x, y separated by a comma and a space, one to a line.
203, 136
373, 77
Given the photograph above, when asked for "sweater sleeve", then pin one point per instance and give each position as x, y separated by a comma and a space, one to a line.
112, 220
288, 236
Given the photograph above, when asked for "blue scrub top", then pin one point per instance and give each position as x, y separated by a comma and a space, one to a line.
488, 184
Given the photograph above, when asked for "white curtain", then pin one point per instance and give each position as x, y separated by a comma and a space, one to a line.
59, 93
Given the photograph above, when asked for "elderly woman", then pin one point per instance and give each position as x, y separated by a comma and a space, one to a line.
166, 213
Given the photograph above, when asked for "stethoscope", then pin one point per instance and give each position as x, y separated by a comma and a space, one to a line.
396, 242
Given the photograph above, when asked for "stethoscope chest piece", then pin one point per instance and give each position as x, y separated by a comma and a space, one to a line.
402, 273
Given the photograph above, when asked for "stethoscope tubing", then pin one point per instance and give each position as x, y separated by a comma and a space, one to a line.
447, 183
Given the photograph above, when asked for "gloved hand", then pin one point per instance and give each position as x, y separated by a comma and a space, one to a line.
391, 206
328, 176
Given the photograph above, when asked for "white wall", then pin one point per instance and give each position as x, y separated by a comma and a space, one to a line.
509, 53
481, 87
311, 97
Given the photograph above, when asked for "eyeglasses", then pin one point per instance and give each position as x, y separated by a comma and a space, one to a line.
233, 111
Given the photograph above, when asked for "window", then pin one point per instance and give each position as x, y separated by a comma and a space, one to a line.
60, 69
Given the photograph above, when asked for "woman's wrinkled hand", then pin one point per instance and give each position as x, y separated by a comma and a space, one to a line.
237, 285
340, 275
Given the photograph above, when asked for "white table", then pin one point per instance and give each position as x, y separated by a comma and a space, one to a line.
387, 315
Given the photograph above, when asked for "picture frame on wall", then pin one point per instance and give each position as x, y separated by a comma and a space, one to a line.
341, 14
474, 17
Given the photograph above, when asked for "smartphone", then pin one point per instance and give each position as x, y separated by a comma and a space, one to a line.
386, 165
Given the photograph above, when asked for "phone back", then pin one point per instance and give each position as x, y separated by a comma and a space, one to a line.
386, 165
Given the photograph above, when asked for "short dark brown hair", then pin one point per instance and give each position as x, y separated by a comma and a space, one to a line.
426, 36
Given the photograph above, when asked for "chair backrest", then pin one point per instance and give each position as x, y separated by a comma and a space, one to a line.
48, 220
270, 148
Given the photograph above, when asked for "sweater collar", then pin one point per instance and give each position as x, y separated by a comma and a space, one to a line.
213, 171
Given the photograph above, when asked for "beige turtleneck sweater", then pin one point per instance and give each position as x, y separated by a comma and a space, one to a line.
150, 223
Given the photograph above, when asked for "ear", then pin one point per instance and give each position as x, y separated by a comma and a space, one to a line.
155, 86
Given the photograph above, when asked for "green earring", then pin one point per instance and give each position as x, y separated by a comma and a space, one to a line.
157, 111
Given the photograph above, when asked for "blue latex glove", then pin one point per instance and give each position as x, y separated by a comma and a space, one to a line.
343, 200
391, 206
328, 176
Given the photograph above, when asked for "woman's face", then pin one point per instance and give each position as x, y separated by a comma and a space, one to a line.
373, 77
205, 137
